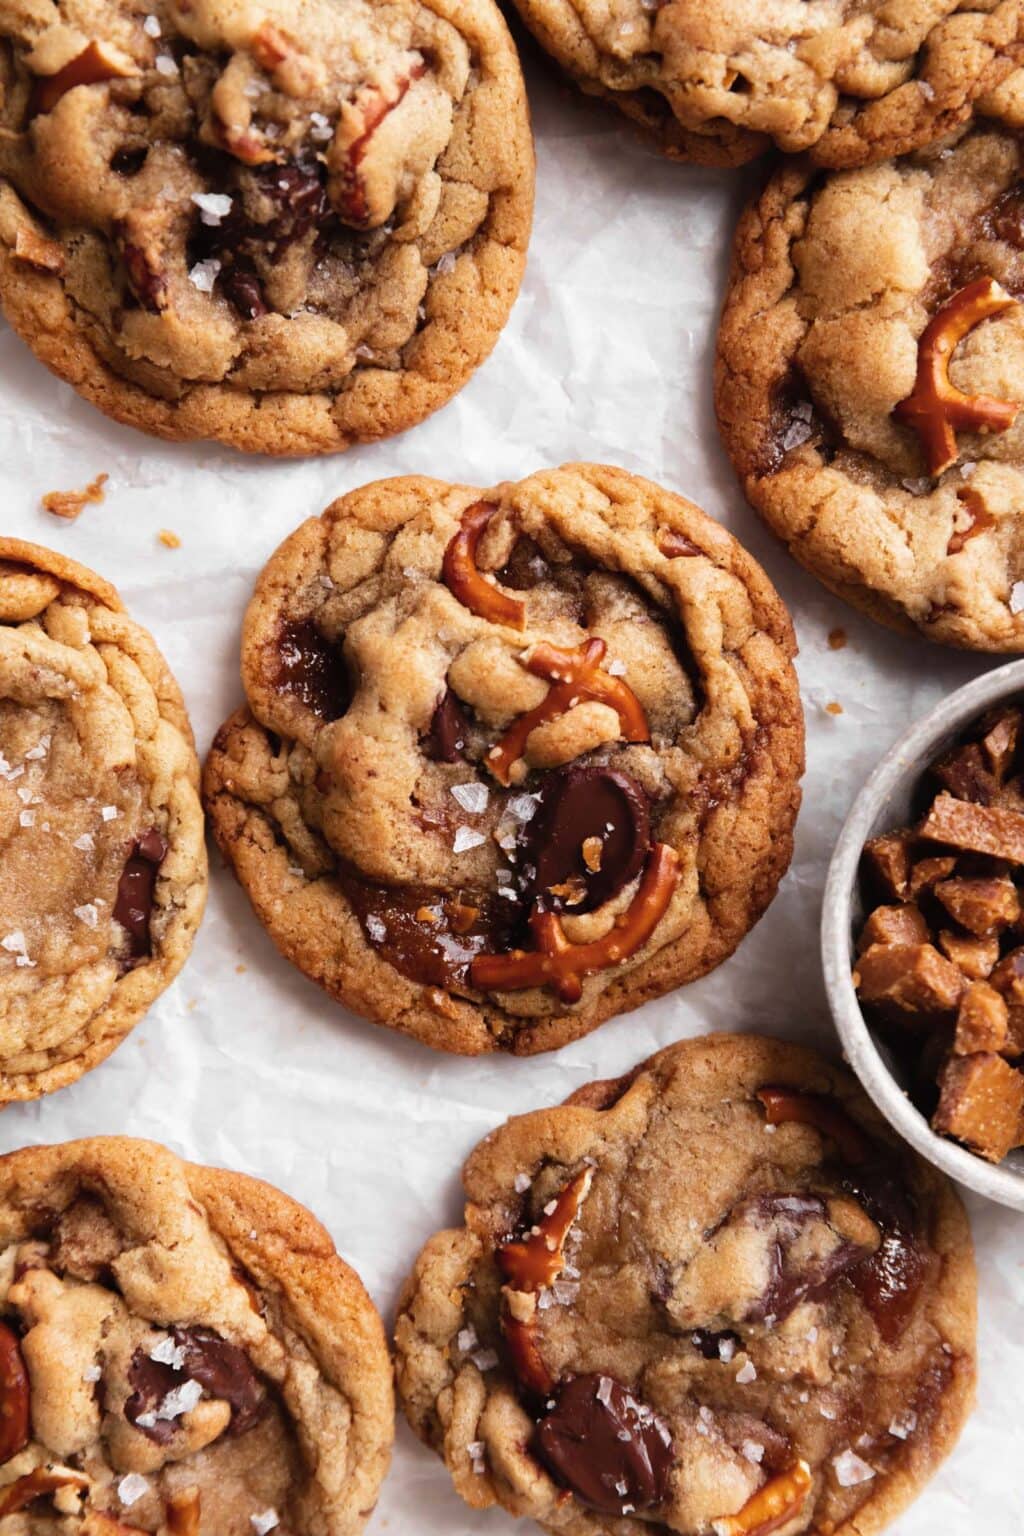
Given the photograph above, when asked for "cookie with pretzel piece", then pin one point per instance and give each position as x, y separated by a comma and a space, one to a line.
714, 1297
513, 760
873, 405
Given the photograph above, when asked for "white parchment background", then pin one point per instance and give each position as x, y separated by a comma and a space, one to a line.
244, 1063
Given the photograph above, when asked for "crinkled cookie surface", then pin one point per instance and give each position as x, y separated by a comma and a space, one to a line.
182, 1352
102, 857
870, 379
514, 760
713, 1297
850, 80
288, 224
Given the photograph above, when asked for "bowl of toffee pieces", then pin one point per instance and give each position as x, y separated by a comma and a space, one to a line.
923, 935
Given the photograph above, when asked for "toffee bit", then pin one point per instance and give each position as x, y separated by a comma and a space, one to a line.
169, 539
69, 504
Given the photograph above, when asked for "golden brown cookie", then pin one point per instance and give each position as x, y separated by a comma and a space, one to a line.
102, 857
719, 81
182, 1351
514, 760
288, 227
870, 380
716, 1295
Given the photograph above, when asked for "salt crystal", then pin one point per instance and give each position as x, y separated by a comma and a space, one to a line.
266, 1521
87, 914
917, 487
91, 1373
851, 1470
364, 353
213, 206
24, 795
521, 1183
827, 1412
565, 1292
484, 1359
446, 264
165, 64
523, 807
903, 1425
967, 469
472, 797
320, 130
179, 1400
10, 774
204, 274
131, 1488
604, 1390
151, 26
465, 838
27, 819
169, 1353
40, 749
377, 929
812, 1335
616, 668
622, 1488
467, 1339
551, 1208
746, 1374
927, 90
84, 844
1017, 597
797, 433
726, 1349
109, 812
753, 1451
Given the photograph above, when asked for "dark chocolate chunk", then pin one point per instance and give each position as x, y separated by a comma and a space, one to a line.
300, 198
890, 1279
313, 669
427, 936
610, 1450
792, 1282
134, 904
224, 1371
242, 288
588, 838
445, 742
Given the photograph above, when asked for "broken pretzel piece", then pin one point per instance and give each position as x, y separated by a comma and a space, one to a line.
936, 410
93, 66
563, 966
576, 677
981, 1104
183, 1513
530, 1265
771, 1507
38, 1484
976, 828
462, 578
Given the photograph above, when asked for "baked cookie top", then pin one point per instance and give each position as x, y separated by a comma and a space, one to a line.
288, 224
719, 81
181, 1351
871, 404
514, 760
714, 1296
103, 870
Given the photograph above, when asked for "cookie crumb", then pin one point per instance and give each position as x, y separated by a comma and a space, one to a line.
69, 504
833, 708
837, 639
168, 539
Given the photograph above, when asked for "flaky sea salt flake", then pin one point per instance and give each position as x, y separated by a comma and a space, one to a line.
850, 1469
151, 26
903, 1425
39, 751
266, 1520
131, 1488
472, 797
87, 914
746, 1374
465, 838
204, 274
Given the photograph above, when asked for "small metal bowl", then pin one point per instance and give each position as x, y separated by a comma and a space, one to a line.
883, 804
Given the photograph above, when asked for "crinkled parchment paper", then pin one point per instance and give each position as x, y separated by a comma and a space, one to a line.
243, 1062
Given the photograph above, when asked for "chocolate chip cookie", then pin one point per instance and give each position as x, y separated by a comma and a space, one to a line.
719, 81
181, 1351
872, 404
291, 230
714, 1296
102, 857
513, 760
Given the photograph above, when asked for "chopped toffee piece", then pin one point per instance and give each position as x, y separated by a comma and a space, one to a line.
983, 907
982, 1104
981, 1020
887, 860
902, 924
976, 828
975, 957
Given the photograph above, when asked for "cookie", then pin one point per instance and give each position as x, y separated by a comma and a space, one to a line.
103, 862
290, 230
720, 81
513, 760
871, 405
182, 1350
714, 1296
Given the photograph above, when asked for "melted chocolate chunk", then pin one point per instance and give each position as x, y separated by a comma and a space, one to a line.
313, 669
526, 567
610, 1450
445, 741
223, 1371
134, 904
791, 1283
300, 198
588, 838
1005, 219
243, 289
430, 937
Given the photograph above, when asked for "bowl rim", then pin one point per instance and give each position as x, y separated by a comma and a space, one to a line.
908, 755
